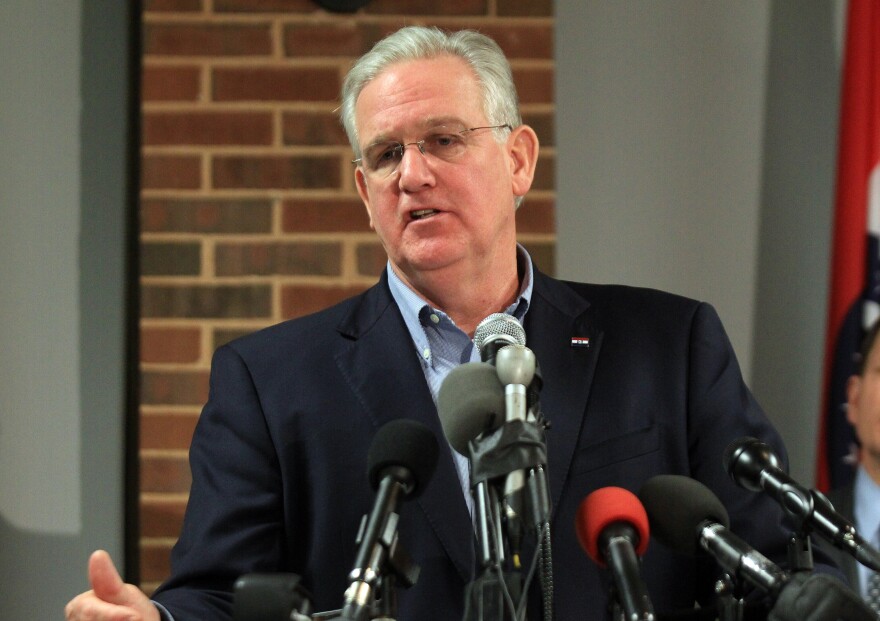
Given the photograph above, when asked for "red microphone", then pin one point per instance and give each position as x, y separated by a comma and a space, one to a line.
612, 527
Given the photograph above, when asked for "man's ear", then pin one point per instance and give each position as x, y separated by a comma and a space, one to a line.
360, 181
523, 148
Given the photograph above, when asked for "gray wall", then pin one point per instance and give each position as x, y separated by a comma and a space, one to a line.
696, 149
62, 229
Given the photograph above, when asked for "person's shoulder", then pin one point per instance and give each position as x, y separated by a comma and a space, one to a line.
301, 333
618, 296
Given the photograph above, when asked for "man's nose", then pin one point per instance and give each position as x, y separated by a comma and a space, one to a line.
414, 169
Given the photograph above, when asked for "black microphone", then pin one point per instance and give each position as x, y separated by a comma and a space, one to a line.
401, 461
685, 515
612, 527
753, 465
270, 597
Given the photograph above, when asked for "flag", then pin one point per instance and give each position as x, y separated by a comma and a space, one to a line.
854, 293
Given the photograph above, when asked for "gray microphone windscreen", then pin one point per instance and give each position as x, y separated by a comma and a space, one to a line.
470, 401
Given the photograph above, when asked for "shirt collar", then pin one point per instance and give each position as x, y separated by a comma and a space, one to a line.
411, 304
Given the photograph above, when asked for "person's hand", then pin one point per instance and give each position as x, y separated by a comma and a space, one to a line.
110, 599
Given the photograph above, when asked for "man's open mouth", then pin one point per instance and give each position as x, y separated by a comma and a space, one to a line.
421, 214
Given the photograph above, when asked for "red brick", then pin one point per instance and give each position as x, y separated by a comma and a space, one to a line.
371, 259
427, 7
545, 173
224, 335
155, 562
312, 128
170, 258
206, 301
170, 84
300, 300
289, 259
265, 6
165, 475
206, 216
170, 345
335, 38
536, 215
269, 172
523, 41
182, 172
207, 128
167, 430
162, 39
534, 85
275, 84
174, 387
521, 8
175, 6
544, 125
161, 518
324, 215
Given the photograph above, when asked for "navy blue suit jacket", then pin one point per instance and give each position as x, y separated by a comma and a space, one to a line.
279, 455
843, 500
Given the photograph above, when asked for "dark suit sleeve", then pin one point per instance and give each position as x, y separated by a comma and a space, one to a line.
722, 410
234, 520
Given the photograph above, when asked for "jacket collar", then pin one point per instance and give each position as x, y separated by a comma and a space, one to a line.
382, 369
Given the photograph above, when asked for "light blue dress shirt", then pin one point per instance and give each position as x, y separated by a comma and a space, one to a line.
441, 346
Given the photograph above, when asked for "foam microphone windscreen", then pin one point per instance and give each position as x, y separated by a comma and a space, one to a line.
404, 443
470, 401
676, 507
604, 507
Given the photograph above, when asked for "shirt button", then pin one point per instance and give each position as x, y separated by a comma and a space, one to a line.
426, 354
435, 318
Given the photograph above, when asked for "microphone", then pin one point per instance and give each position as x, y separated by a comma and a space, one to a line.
496, 331
612, 527
515, 365
753, 465
401, 461
270, 597
685, 515
470, 403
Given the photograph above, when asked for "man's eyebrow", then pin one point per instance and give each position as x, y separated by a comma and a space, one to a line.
429, 123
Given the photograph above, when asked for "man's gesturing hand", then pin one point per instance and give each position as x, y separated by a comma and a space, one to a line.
110, 599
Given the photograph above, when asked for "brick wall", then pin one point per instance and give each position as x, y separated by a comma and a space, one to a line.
249, 214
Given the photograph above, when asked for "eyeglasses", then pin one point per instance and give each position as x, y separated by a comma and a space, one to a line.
383, 158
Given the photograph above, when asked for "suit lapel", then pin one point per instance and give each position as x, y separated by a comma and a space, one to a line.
382, 369
566, 341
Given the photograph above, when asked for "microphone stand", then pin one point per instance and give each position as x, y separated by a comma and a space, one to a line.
800, 551
487, 594
373, 595
515, 446
731, 604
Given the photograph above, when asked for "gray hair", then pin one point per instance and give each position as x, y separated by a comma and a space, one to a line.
482, 54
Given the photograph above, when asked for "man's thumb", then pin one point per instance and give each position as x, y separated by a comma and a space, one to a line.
105, 580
